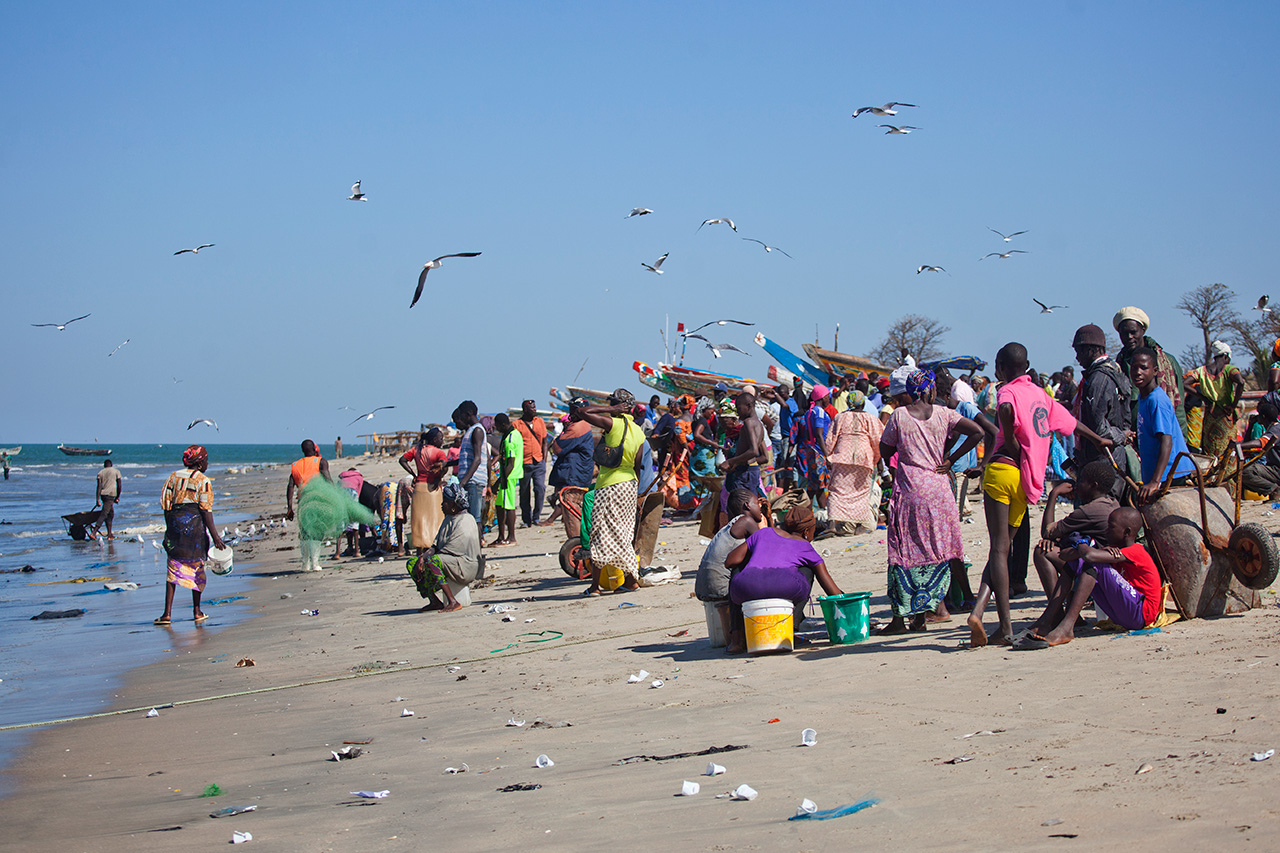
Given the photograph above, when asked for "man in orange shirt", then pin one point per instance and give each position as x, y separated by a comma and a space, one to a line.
534, 432
311, 464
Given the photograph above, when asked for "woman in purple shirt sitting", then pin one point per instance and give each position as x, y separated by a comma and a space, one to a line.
775, 563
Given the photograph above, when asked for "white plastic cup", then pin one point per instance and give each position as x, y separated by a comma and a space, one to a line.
688, 789
542, 762
807, 807
744, 792
809, 737
714, 770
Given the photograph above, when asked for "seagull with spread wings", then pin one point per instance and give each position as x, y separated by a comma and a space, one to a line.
61, 327
117, 349
928, 268
1004, 255
720, 323
210, 421
881, 112
1262, 304
432, 264
716, 349
767, 247
902, 129
1005, 237
656, 266
368, 416
638, 211
1047, 309
194, 251
356, 195
724, 220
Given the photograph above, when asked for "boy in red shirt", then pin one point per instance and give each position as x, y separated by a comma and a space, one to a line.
1122, 578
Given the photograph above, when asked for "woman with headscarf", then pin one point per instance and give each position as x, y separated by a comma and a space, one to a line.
809, 437
853, 451
187, 501
702, 464
1131, 325
924, 523
454, 558
1219, 385
613, 513
776, 563
428, 457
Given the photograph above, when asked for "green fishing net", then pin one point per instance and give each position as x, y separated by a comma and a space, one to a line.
325, 509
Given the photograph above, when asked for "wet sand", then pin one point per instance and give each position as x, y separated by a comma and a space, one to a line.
1063, 731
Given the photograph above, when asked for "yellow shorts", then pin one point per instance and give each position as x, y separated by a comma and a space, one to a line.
1004, 484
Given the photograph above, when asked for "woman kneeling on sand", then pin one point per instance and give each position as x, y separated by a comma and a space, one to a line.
776, 563
455, 556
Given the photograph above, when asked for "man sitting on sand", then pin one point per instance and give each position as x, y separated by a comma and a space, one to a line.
1092, 489
1122, 578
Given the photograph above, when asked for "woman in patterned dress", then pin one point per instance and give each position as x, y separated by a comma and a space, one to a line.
187, 501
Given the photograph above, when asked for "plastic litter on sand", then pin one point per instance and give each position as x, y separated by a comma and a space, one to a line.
714, 769
806, 807
514, 723
405, 712
842, 811
233, 810
808, 737
745, 792
371, 795
238, 837
1263, 756
153, 713
688, 789
542, 762
638, 677
656, 683
454, 771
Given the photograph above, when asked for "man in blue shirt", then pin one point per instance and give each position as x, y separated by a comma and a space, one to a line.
1159, 435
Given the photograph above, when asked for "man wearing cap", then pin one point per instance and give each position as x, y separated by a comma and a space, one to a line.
1131, 325
533, 431
1103, 400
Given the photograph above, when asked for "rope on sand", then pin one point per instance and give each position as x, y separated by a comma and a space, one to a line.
335, 678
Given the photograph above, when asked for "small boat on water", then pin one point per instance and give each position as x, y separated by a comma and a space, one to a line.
11, 451
84, 451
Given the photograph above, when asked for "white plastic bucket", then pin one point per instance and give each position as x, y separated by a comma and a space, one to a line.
769, 625
220, 561
715, 625
462, 593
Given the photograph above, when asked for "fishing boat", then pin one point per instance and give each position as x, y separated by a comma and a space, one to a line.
84, 451
970, 363
11, 451
842, 364
793, 363
676, 379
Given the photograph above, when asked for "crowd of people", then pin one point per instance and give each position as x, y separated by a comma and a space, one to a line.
767, 470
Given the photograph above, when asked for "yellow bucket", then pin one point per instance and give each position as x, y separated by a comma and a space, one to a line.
769, 625
611, 577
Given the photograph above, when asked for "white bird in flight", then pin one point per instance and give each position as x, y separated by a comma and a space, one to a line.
432, 264
210, 421
720, 323
1047, 309
696, 337
1262, 304
194, 251
903, 129
368, 416
356, 195
880, 112
117, 349
717, 348
767, 247
656, 266
1004, 255
1005, 237
61, 327
176, 380
928, 268
638, 211
722, 220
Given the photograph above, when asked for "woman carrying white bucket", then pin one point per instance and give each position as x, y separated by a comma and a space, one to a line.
776, 564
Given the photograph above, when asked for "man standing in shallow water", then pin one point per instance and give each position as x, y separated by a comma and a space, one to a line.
108, 495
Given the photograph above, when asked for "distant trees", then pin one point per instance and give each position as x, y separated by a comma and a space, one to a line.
914, 335
1212, 312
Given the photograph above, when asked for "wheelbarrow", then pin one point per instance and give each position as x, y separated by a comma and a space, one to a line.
1214, 564
575, 559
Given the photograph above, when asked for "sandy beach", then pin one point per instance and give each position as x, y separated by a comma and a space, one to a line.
1056, 738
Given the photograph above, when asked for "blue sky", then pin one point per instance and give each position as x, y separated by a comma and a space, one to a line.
1135, 142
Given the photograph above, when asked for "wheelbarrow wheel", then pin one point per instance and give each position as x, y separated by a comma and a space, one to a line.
1256, 557
573, 559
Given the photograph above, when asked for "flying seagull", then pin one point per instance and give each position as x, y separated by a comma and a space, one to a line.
433, 264
176, 380
657, 265
1262, 304
880, 112
906, 128
928, 268
1004, 255
356, 195
1047, 309
638, 211
720, 323
1005, 237
61, 327
368, 416
210, 421
724, 220
717, 348
117, 349
767, 247
696, 337
194, 251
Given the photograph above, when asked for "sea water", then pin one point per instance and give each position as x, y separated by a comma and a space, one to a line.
64, 667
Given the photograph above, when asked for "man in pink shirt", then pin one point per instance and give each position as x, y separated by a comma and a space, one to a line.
1013, 479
